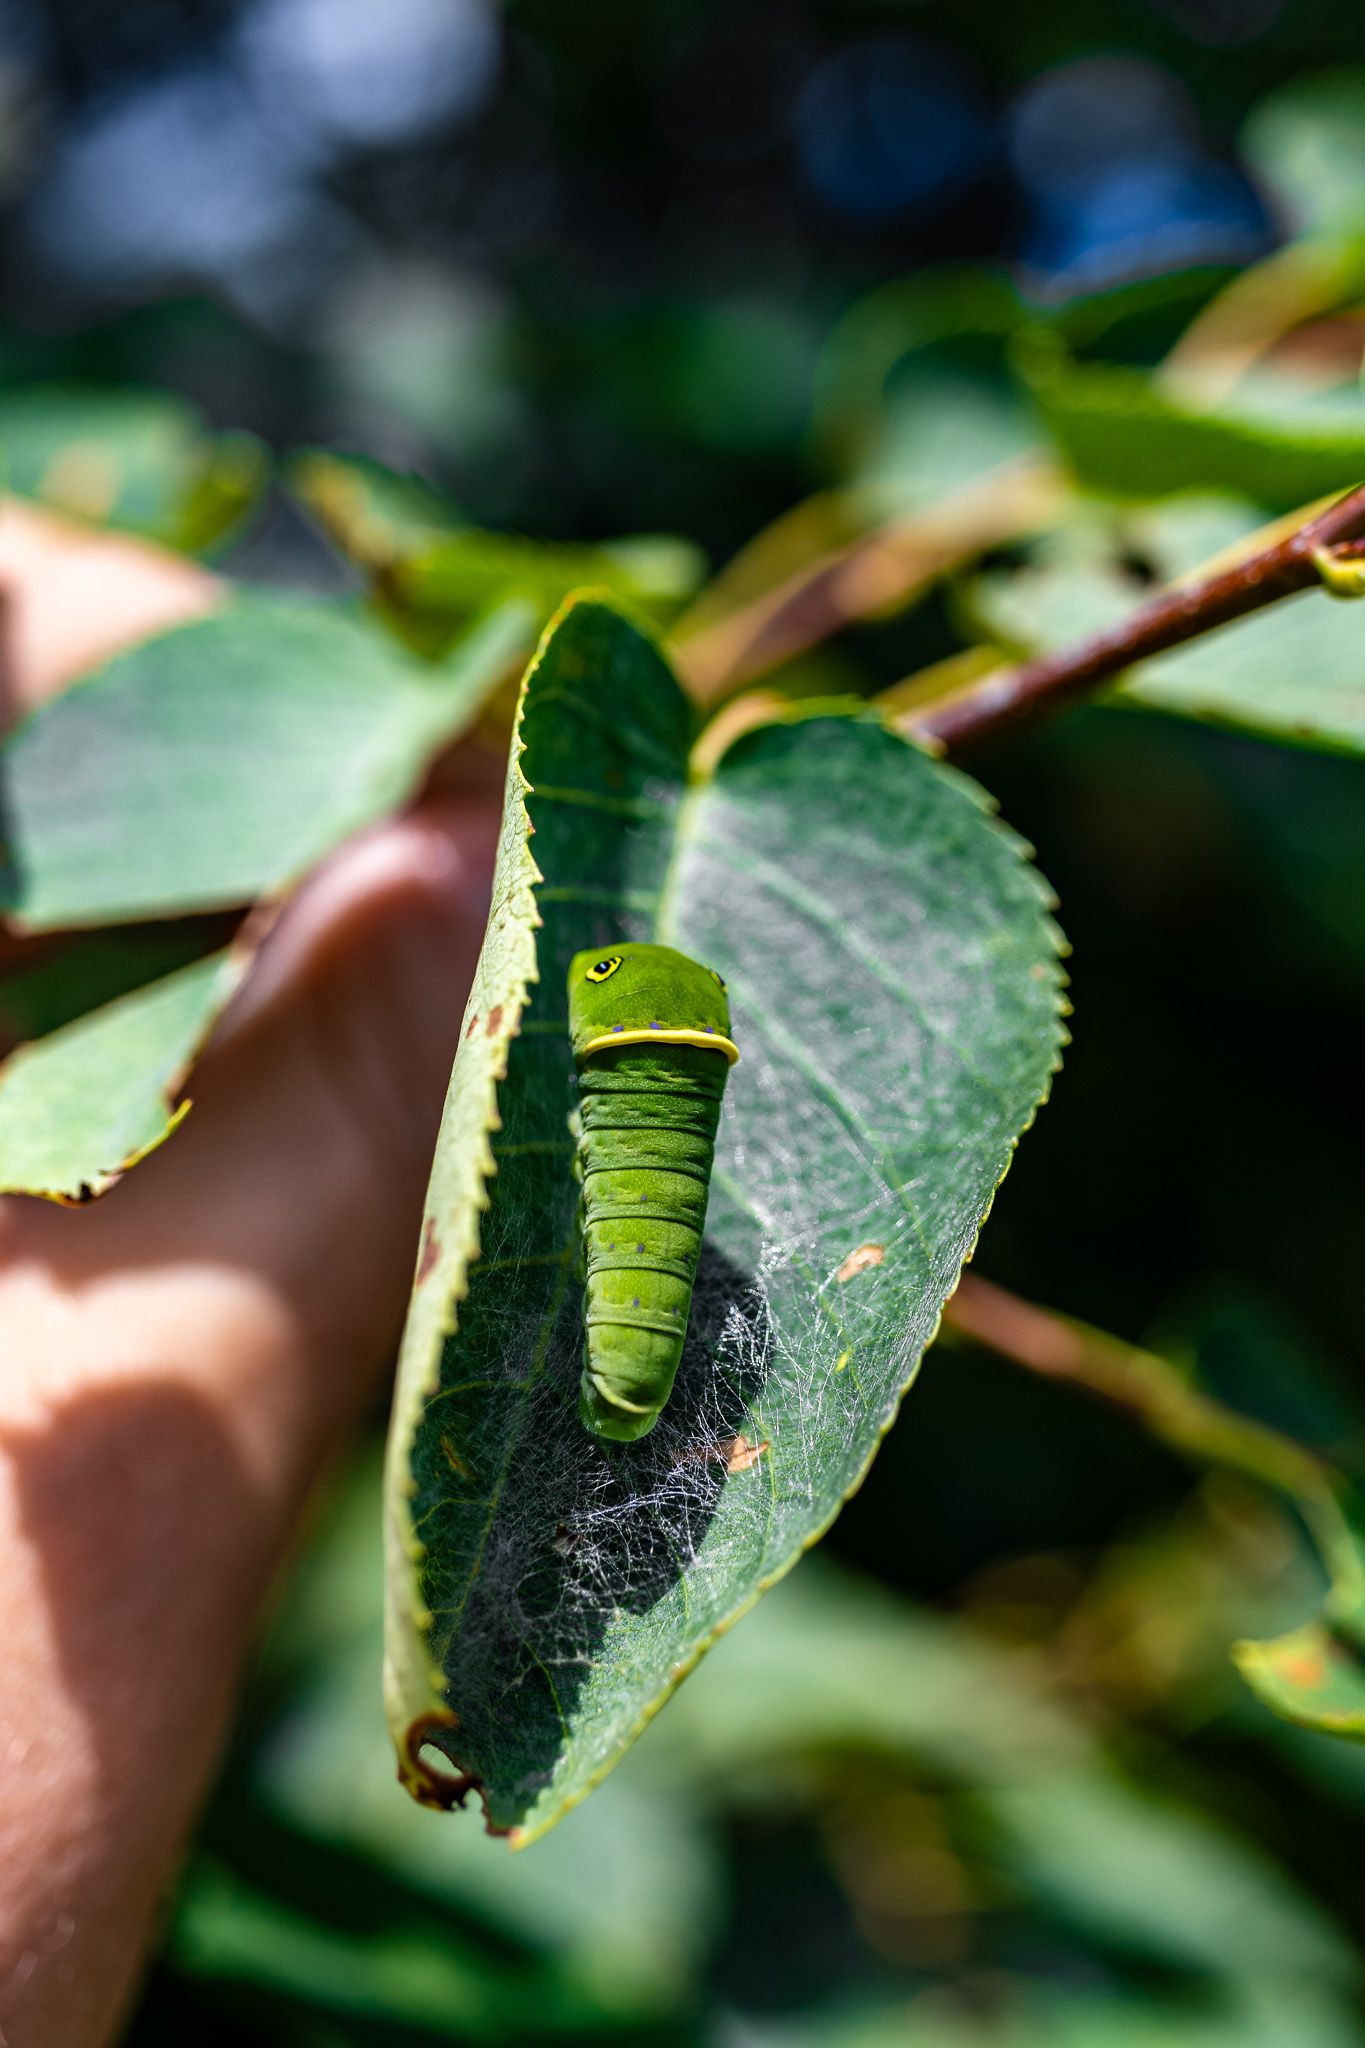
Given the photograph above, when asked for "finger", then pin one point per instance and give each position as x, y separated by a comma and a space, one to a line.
71, 596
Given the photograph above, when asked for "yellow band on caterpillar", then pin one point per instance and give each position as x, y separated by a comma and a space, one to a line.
709, 1041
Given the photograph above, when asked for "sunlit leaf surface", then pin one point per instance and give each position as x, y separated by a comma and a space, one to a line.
220, 761
1294, 671
894, 984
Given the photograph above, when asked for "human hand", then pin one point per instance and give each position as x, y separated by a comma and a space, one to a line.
178, 1360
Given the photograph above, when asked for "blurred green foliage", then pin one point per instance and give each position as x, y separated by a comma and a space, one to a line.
858, 1821
140, 460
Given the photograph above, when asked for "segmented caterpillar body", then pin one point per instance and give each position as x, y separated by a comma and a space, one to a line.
651, 1040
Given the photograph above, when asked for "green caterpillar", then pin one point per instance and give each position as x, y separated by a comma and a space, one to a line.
651, 1039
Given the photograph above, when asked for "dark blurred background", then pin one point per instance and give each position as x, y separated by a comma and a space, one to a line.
591, 269
584, 260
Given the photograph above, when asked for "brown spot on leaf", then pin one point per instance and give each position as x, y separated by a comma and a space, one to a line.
859, 1261
1306, 1670
472, 1026
735, 1453
494, 1024
739, 1453
431, 1251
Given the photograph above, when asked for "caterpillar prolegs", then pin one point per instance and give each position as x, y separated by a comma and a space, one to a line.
651, 1040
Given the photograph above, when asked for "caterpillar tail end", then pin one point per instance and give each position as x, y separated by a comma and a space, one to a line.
616, 1421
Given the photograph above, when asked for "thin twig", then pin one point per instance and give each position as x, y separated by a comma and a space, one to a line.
1179, 613
1189, 1421
862, 577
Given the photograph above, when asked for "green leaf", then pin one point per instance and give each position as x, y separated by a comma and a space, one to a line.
895, 993
1164, 1881
1098, 565
220, 761
1043, 2017
206, 767
1294, 671
1306, 142
951, 323
939, 430
82, 1105
1315, 1674
1123, 434
833, 1661
93, 969
414, 1974
463, 570
376, 516
143, 460
1311, 1676
432, 567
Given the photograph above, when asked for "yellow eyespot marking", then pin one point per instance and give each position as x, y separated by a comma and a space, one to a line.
603, 970
715, 977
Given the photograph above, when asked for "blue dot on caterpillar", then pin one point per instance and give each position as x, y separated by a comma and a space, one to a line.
651, 1040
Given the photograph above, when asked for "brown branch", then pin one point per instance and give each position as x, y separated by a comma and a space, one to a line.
1179, 613
1180, 1414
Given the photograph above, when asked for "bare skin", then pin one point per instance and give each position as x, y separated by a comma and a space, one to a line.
177, 1361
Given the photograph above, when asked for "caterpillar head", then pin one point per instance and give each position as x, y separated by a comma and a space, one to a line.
632, 994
